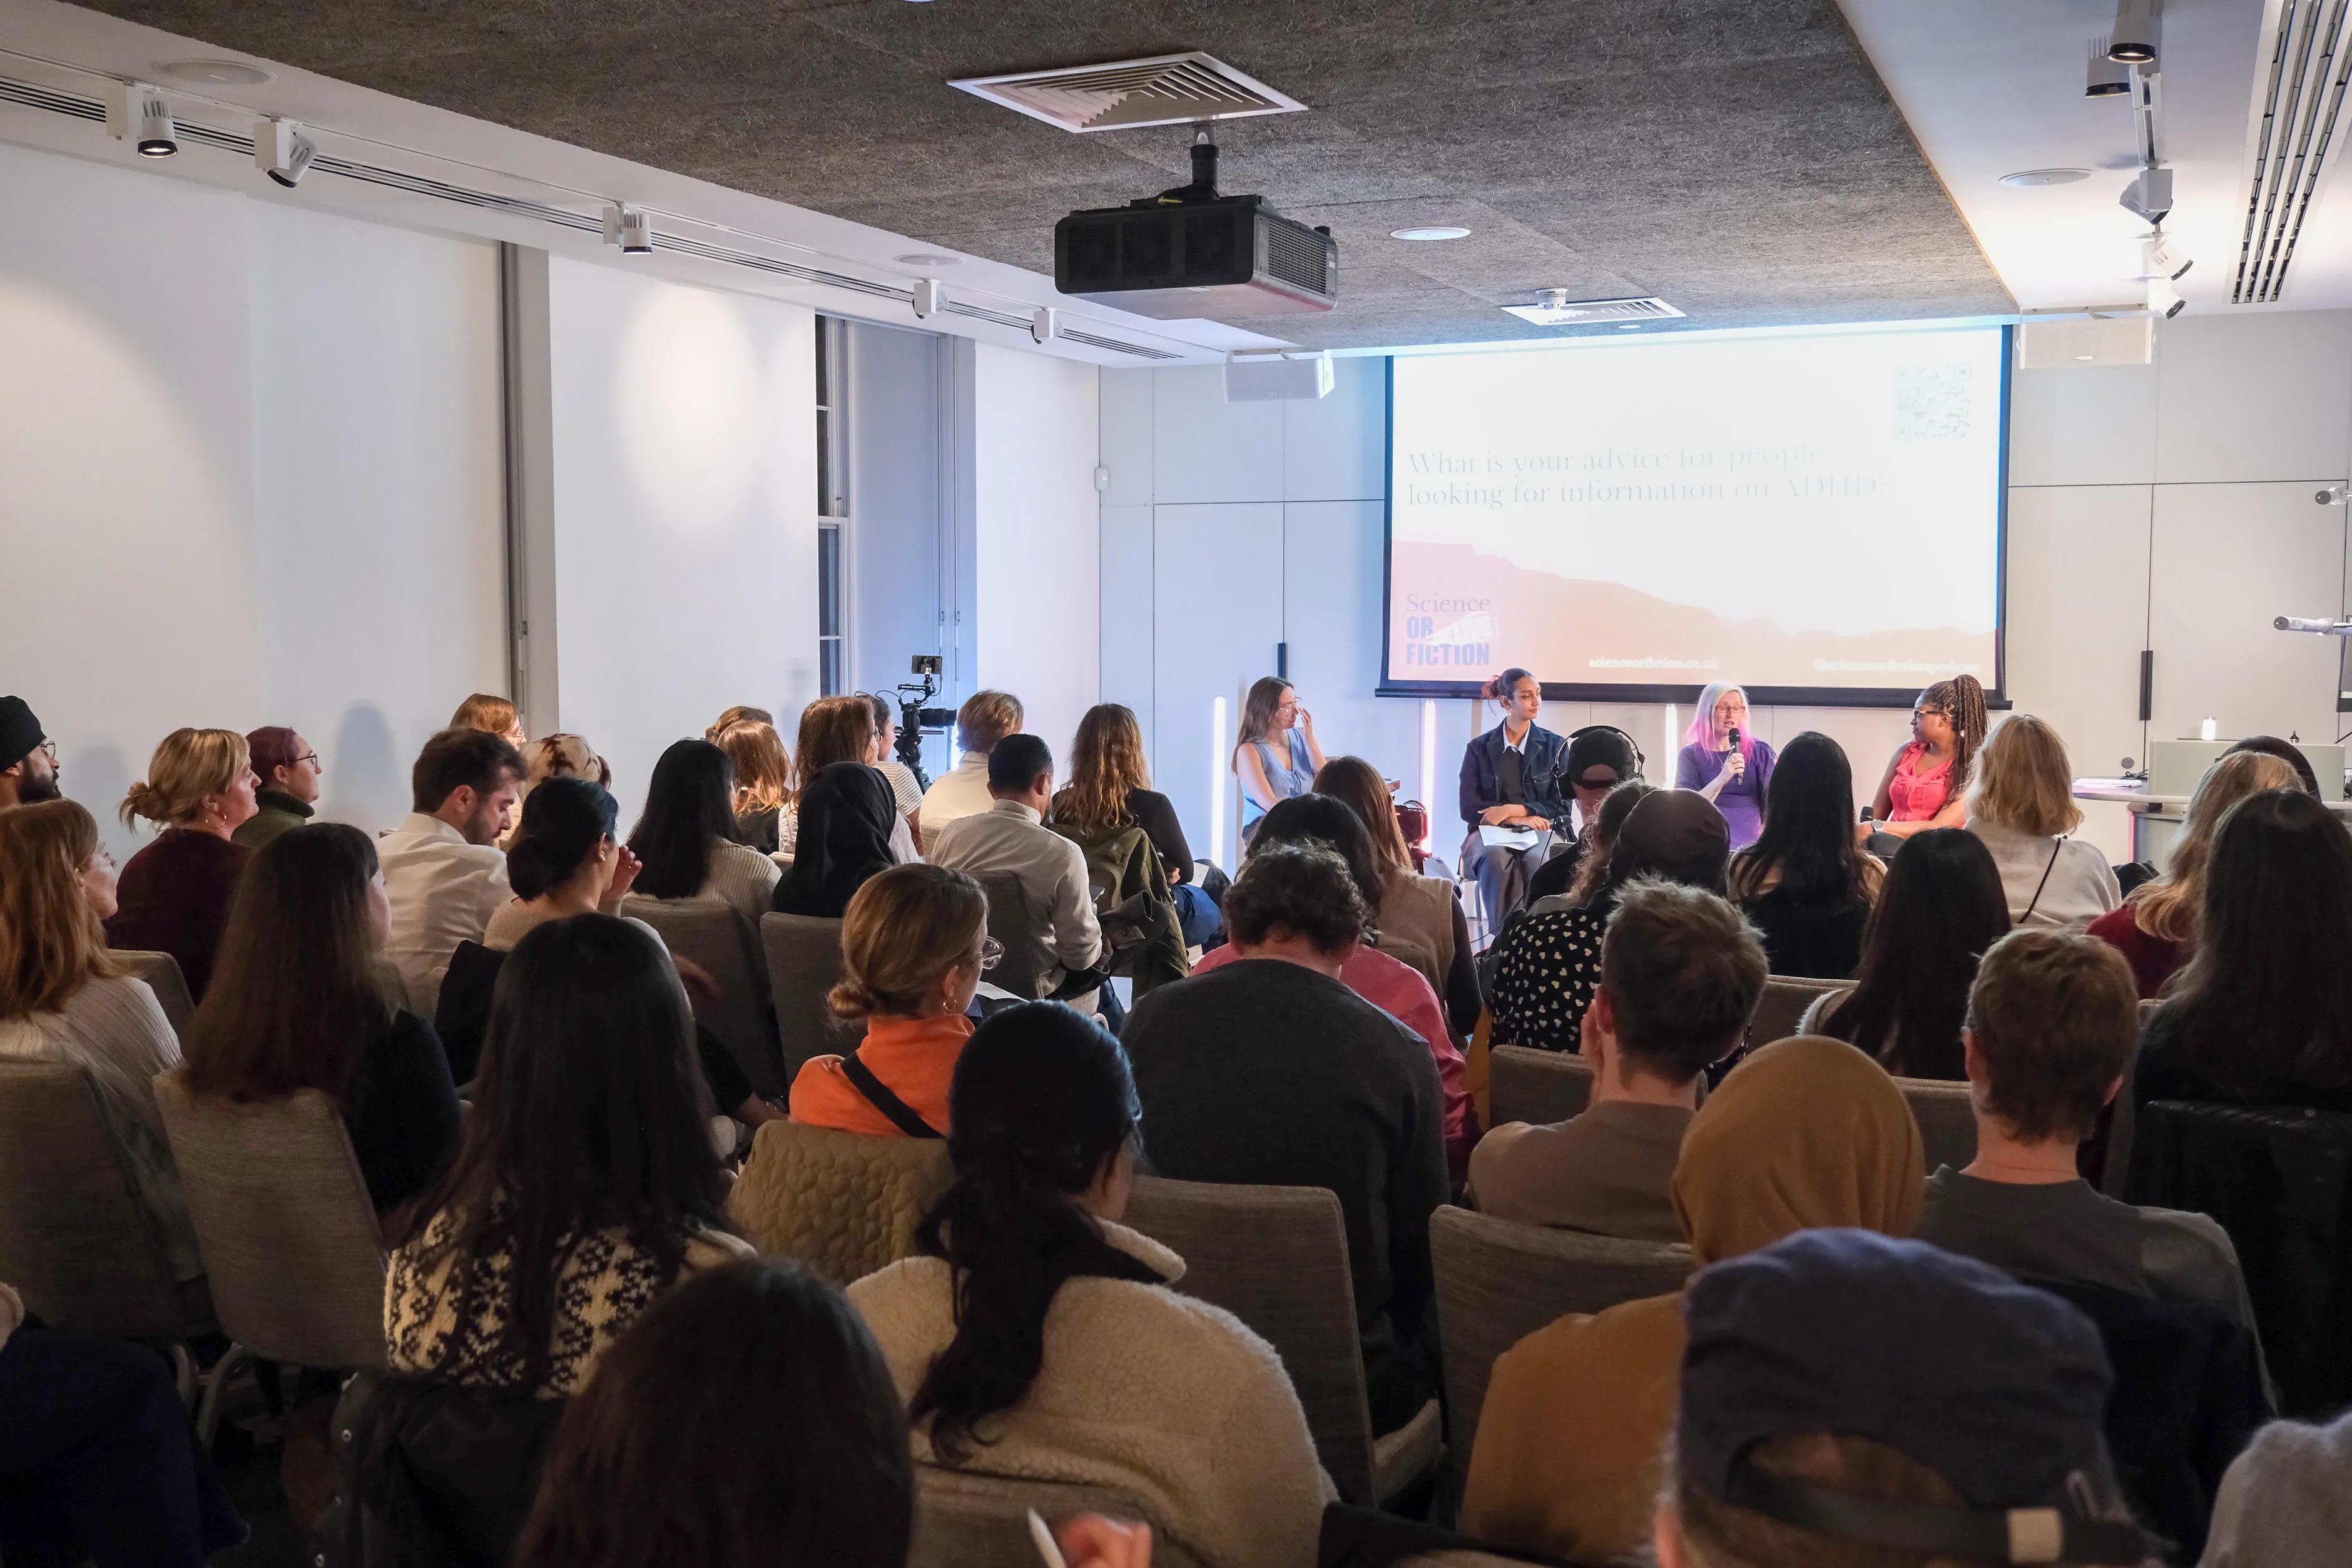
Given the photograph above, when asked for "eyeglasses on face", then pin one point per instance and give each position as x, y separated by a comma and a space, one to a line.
306, 757
1929, 714
49, 749
992, 952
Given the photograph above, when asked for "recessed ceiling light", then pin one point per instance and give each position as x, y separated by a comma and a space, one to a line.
1436, 231
216, 73
2082, 356
926, 258
2029, 179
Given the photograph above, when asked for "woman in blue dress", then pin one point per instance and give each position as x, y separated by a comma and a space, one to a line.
1276, 756
1734, 777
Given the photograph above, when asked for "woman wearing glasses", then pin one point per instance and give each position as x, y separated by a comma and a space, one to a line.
1927, 782
288, 767
914, 943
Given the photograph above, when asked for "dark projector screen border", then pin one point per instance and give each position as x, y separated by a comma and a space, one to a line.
1995, 692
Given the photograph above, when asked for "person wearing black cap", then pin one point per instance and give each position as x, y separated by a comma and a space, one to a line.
1600, 758
1812, 1429
1547, 965
29, 774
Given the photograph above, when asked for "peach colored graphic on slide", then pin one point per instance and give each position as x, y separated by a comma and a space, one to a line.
1457, 614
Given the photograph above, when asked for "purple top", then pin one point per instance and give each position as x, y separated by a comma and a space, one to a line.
1742, 800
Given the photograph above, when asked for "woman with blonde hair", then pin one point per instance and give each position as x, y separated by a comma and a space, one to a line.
764, 779
175, 892
1274, 750
1422, 910
1110, 788
62, 999
2023, 807
492, 716
561, 755
913, 945
2156, 928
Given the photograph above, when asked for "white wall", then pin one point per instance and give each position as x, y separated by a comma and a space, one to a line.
685, 509
2165, 506
1036, 514
247, 456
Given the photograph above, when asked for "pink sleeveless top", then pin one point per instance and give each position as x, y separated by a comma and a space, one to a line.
1915, 797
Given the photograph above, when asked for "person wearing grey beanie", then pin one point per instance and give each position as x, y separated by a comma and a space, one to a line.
2284, 1500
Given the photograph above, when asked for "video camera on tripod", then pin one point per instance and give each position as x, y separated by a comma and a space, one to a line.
915, 720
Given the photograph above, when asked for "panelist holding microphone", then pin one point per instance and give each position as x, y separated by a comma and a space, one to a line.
1726, 764
1511, 779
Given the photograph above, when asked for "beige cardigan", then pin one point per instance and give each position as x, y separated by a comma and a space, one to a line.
1158, 1394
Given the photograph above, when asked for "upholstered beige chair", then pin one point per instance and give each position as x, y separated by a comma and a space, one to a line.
804, 963
1947, 1125
842, 1204
723, 943
1543, 1087
1784, 1002
162, 973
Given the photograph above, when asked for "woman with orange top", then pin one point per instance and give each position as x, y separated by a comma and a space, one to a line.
914, 941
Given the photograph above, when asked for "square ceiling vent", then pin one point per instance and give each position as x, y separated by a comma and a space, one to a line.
1553, 308
1166, 90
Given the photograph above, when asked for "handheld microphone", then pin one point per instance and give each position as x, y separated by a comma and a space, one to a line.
1734, 737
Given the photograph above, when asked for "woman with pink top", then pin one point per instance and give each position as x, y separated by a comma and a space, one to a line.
1927, 782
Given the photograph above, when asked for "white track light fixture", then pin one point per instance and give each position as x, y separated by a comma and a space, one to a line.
136, 113
629, 227
1046, 325
2149, 196
931, 297
2163, 300
2137, 38
2105, 78
2160, 255
282, 151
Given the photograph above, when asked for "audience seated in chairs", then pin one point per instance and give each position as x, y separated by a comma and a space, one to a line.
1387, 983
2051, 1025
2156, 928
2263, 1014
98, 1461
302, 999
746, 1421
1806, 1132
1037, 1337
1546, 966
985, 717
913, 946
845, 818
28, 758
174, 894
836, 730
2023, 805
685, 838
1838, 1383
1680, 973
763, 780
1111, 789
1011, 837
1424, 911
286, 767
1805, 882
62, 999
1940, 908
1270, 1071
442, 868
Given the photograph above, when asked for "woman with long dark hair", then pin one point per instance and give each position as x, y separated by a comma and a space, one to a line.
1110, 788
1034, 1335
846, 821
1940, 908
301, 998
586, 1184
1274, 750
685, 837
2263, 1014
1805, 882
811, 1471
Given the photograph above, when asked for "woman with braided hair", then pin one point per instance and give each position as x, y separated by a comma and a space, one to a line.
1927, 782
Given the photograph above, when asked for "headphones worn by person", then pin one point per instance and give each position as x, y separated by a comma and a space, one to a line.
1640, 762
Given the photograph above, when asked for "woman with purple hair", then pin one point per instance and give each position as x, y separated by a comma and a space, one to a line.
1725, 763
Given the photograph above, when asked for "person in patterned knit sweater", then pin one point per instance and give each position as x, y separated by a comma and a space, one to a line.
587, 1185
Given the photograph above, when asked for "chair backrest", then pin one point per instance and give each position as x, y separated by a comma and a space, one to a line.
1947, 1123
1276, 1258
1784, 1002
2278, 1178
1027, 961
844, 1204
162, 973
804, 963
1499, 1281
1543, 1087
290, 1241
76, 1239
964, 1519
722, 941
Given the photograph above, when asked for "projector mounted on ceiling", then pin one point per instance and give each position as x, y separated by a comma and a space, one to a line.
1553, 308
1188, 252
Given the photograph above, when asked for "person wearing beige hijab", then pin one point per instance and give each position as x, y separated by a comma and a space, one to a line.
1805, 1133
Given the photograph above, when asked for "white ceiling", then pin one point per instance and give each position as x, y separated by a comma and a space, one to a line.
1990, 87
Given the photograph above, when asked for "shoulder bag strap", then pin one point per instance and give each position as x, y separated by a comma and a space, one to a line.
2043, 883
879, 1095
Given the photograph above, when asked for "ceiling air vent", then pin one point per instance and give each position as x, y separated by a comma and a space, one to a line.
2299, 88
1553, 308
1166, 90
